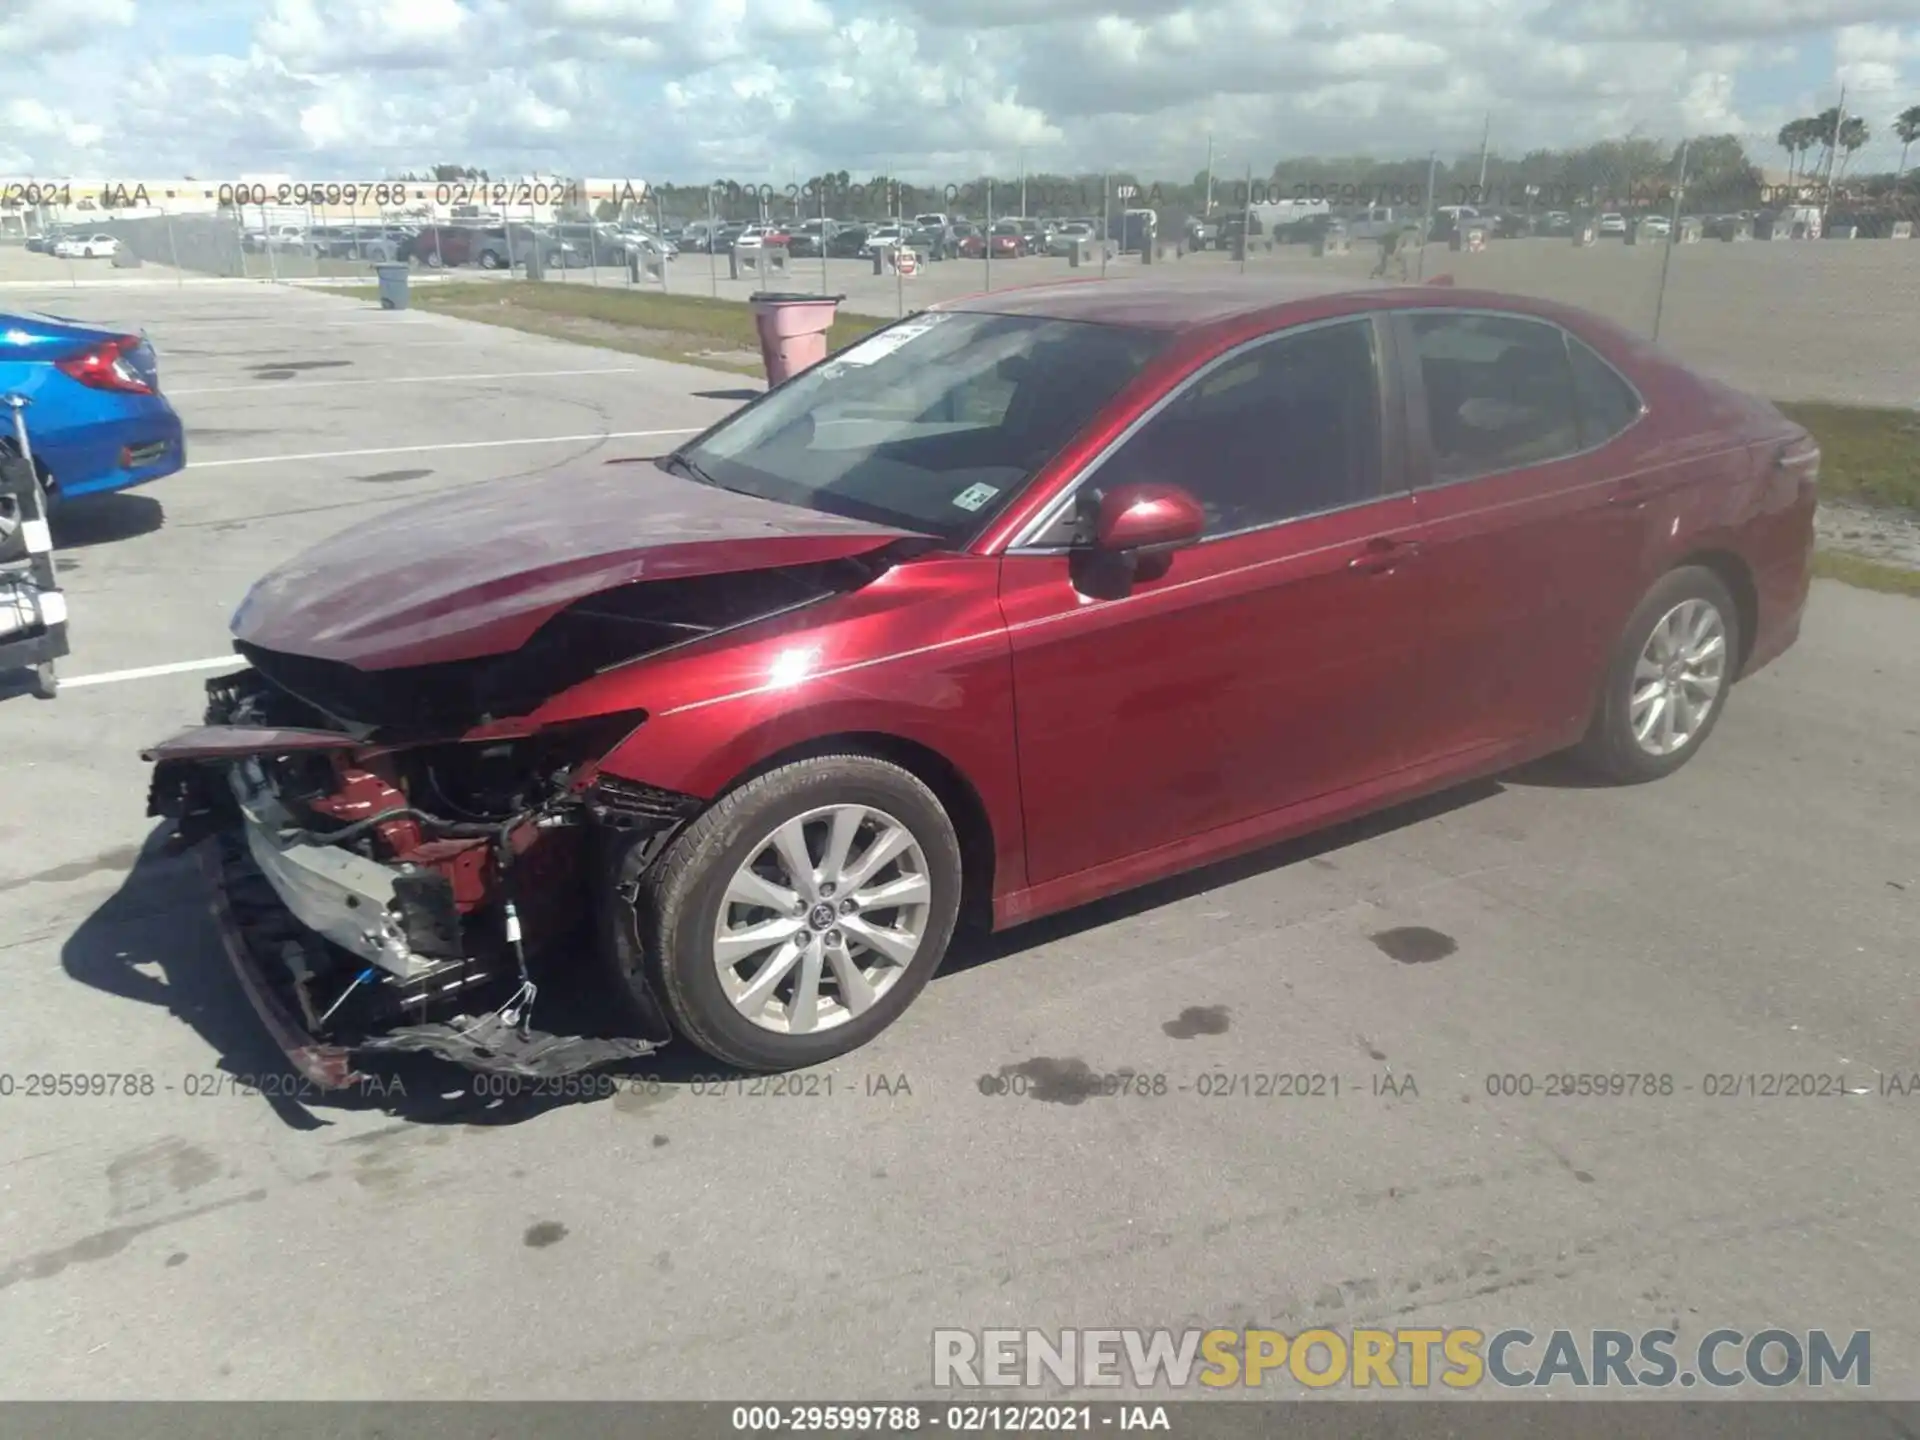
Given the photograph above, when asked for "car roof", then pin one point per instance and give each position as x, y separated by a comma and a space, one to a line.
1172, 304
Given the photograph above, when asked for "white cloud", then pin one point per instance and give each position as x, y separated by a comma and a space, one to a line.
689, 89
37, 27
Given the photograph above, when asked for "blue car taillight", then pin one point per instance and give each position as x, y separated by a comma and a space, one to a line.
111, 365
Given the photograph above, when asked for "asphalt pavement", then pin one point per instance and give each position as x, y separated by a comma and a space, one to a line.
199, 1235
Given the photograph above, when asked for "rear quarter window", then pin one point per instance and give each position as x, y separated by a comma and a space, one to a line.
1608, 405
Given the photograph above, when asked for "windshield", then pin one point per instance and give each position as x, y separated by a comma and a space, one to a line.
933, 424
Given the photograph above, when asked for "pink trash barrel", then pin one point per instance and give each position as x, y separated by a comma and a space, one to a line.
793, 331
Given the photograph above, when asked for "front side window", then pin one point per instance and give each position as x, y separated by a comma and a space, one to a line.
1284, 429
933, 425
1499, 393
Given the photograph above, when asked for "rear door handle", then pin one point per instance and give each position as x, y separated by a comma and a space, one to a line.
1381, 555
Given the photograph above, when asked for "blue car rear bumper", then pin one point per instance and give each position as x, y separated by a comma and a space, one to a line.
145, 443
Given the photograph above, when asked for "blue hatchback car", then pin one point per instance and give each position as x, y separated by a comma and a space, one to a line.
97, 421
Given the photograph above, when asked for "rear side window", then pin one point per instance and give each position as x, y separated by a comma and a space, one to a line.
1607, 403
1499, 393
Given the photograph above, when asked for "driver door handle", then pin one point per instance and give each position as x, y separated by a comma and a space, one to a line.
1380, 555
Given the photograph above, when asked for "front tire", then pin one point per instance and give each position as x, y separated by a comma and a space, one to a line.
1667, 681
489, 260
800, 915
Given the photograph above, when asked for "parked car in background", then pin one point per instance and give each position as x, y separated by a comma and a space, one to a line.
969, 240
96, 245
1069, 233
812, 237
931, 242
645, 237
1611, 222
847, 240
1005, 240
1556, 222
44, 240
1369, 224
1511, 224
1307, 228
881, 237
98, 422
980, 560
1656, 227
357, 242
275, 237
753, 237
1237, 223
703, 236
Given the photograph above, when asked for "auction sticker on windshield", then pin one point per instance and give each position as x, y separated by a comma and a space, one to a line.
878, 347
974, 496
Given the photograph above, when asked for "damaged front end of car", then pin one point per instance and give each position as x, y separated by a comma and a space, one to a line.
380, 898
399, 864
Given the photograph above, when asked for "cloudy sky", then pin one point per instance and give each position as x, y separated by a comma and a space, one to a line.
691, 90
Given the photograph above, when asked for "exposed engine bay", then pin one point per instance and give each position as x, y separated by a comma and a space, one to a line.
383, 888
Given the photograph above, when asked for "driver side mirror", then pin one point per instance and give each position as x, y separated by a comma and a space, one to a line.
1143, 520
1129, 534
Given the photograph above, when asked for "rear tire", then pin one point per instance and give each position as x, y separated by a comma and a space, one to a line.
1667, 680
691, 896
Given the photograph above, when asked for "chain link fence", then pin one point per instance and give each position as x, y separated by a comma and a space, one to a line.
1784, 261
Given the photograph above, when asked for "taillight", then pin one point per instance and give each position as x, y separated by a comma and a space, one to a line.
105, 367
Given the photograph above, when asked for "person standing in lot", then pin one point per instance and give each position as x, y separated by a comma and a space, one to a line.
1393, 252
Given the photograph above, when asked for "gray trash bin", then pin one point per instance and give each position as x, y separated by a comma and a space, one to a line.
393, 286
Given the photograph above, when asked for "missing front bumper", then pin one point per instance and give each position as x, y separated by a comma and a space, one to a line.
257, 929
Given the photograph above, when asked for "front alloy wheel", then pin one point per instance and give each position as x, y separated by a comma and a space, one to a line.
822, 920
801, 913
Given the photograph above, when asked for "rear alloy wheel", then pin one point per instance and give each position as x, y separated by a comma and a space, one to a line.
803, 912
489, 260
1668, 680
432, 259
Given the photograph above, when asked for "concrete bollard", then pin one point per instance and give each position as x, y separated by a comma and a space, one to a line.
1902, 230
1584, 235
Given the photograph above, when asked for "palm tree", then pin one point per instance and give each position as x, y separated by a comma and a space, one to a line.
1906, 125
1799, 137
1820, 130
1853, 134
1792, 138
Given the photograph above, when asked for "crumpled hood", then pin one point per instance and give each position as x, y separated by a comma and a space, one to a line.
478, 570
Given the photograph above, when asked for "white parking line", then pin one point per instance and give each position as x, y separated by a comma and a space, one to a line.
450, 445
147, 672
450, 378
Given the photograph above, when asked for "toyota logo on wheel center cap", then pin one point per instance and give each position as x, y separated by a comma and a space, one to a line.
821, 918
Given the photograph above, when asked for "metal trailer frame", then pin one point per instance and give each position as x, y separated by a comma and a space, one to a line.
38, 646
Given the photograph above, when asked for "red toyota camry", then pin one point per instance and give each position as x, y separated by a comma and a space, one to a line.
1016, 603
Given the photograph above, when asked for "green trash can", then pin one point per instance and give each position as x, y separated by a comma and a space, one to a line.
393, 286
